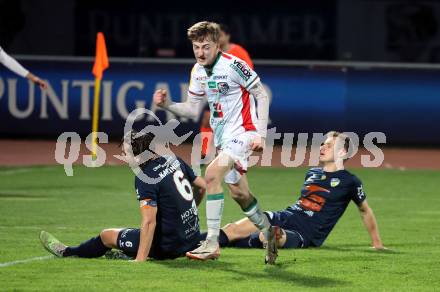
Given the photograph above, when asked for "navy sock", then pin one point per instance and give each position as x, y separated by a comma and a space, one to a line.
202, 236
252, 241
92, 248
223, 239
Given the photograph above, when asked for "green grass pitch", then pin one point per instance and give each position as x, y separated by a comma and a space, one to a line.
406, 204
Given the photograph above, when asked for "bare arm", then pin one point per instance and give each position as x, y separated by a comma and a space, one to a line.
148, 225
190, 109
370, 223
36, 80
199, 186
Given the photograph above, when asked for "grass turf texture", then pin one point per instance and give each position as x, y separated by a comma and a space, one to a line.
406, 204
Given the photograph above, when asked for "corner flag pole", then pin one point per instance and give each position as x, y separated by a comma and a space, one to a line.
101, 63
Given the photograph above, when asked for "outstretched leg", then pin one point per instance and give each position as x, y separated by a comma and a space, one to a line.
92, 248
243, 233
241, 194
96, 246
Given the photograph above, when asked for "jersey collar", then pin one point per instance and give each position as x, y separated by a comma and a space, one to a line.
210, 68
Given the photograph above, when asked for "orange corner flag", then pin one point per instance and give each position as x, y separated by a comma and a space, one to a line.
101, 58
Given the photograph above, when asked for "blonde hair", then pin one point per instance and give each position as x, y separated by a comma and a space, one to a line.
343, 138
204, 30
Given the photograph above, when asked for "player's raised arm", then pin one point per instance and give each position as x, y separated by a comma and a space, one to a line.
262, 99
191, 108
148, 225
370, 223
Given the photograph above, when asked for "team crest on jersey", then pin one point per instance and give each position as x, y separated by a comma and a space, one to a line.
335, 182
223, 87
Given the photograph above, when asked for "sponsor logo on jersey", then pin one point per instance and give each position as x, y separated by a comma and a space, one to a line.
241, 69
188, 214
334, 182
312, 203
201, 78
217, 77
212, 84
217, 110
315, 177
223, 87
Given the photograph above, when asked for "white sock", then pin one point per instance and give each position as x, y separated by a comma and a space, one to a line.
214, 212
256, 216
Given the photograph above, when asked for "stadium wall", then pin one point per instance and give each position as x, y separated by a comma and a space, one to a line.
306, 97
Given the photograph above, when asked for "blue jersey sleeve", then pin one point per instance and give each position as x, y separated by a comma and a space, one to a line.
187, 170
146, 192
358, 194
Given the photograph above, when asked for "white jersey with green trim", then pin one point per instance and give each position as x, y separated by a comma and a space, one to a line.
226, 85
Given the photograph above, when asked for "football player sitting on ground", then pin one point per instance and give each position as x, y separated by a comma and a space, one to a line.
170, 224
325, 195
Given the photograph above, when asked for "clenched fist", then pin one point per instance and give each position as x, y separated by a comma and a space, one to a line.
258, 143
160, 97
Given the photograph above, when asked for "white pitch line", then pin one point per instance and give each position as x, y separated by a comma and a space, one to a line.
19, 170
8, 264
14, 171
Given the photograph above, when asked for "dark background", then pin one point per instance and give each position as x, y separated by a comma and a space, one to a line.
358, 30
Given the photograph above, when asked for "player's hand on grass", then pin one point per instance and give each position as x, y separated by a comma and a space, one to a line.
258, 144
160, 97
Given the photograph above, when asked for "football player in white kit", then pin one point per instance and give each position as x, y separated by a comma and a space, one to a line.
230, 87
18, 69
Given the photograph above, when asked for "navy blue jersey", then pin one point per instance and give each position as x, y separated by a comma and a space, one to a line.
324, 198
177, 223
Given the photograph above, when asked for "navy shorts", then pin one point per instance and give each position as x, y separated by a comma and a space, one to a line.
128, 241
284, 220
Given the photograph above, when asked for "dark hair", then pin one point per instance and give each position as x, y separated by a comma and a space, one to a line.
204, 30
224, 28
140, 142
